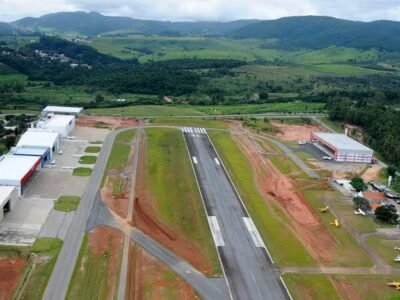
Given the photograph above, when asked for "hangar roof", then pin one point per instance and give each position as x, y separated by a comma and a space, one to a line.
58, 121
34, 137
341, 141
34, 151
63, 109
15, 167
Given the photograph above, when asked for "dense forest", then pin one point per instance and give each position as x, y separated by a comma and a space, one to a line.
380, 124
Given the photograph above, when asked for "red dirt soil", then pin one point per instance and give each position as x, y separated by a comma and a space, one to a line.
118, 203
104, 121
104, 240
275, 186
146, 219
11, 270
372, 173
295, 132
148, 271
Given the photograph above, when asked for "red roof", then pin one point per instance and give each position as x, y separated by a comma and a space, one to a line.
374, 196
374, 206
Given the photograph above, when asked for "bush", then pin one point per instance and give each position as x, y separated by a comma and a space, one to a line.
387, 214
358, 184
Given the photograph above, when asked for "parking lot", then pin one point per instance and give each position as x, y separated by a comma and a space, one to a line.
33, 214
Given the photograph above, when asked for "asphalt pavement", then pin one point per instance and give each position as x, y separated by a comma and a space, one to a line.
249, 272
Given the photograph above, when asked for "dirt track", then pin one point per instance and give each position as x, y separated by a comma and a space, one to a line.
274, 186
293, 133
109, 122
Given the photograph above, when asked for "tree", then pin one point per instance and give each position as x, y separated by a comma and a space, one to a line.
9, 142
391, 170
263, 95
99, 99
361, 203
358, 184
387, 214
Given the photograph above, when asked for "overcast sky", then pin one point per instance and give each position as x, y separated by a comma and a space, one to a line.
199, 10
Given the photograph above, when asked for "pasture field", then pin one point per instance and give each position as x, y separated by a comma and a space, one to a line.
190, 122
385, 249
284, 247
170, 180
120, 151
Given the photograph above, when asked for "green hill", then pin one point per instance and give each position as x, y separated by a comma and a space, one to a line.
320, 32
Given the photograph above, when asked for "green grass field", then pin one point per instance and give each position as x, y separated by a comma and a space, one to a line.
385, 249
285, 249
125, 137
310, 286
147, 110
347, 253
170, 179
90, 279
88, 160
47, 250
93, 149
82, 171
67, 203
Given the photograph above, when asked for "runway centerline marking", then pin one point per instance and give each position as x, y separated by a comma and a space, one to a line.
254, 232
216, 231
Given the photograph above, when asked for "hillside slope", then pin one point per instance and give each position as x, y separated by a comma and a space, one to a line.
320, 32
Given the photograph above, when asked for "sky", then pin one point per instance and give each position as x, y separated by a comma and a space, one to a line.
208, 10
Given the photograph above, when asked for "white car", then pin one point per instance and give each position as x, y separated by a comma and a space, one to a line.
327, 158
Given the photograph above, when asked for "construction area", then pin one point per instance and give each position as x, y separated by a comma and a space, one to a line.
226, 209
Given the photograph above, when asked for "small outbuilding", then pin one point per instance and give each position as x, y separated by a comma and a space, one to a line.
34, 138
342, 148
8, 199
63, 124
62, 110
17, 170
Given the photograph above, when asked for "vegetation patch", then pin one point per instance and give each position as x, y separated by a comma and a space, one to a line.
190, 122
67, 203
93, 149
88, 160
82, 171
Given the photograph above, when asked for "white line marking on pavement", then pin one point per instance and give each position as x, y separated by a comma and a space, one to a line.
194, 160
253, 232
216, 231
197, 130
217, 161
204, 131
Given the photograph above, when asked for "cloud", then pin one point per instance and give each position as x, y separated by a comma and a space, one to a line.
200, 10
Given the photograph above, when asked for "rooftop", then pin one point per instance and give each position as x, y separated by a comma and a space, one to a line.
5, 192
34, 137
374, 196
15, 167
341, 141
36, 151
63, 109
58, 121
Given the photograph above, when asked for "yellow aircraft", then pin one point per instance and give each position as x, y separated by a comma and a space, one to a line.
324, 210
395, 284
335, 223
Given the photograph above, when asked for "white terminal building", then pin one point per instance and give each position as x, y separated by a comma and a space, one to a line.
39, 138
63, 124
62, 110
342, 148
16, 170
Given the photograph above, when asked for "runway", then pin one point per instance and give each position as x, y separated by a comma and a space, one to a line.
248, 270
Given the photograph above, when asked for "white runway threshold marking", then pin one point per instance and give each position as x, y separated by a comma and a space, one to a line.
194, 160
217, 161
253, 232
216, 231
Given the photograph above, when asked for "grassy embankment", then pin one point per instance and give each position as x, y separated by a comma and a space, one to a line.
67, 203
33, 282
171, 181
204, 123
282, 244
118, 159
